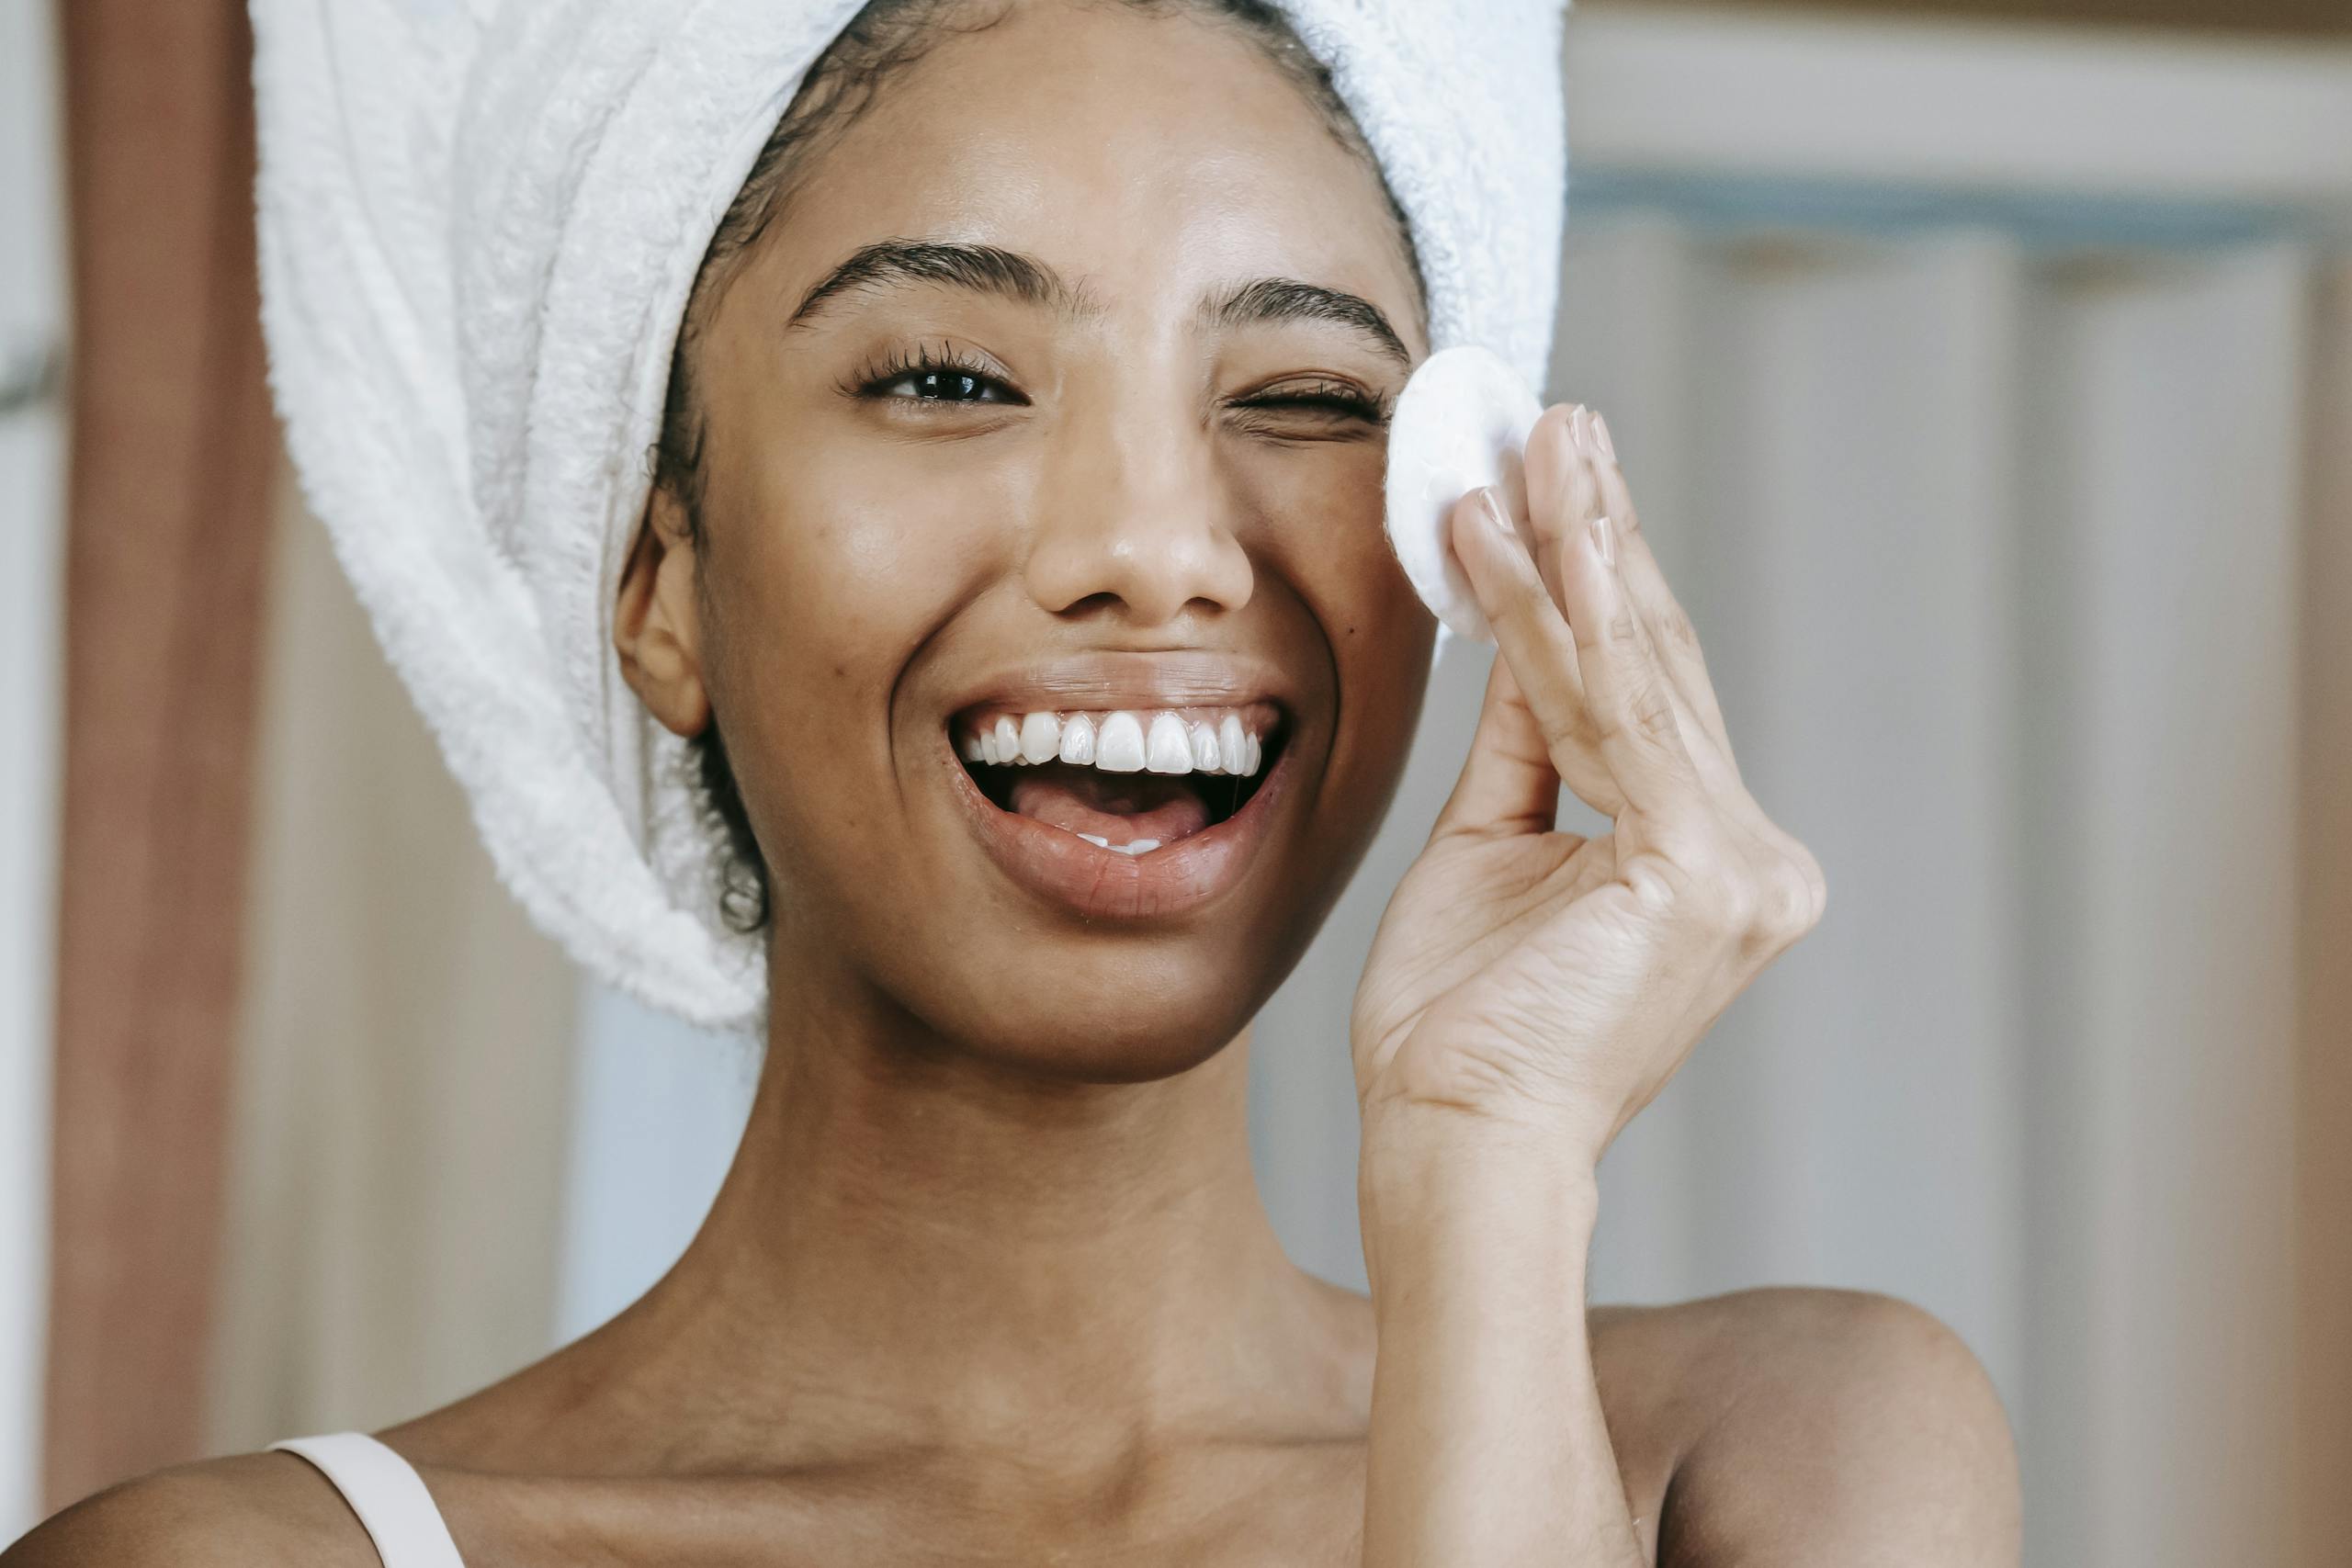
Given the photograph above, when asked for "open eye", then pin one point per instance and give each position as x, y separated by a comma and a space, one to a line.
939, 377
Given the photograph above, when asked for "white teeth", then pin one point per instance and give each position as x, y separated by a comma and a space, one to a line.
1078, 740
1041, 737
1097, 841
1118, 745
1169, 751
1125, 741
1204, 748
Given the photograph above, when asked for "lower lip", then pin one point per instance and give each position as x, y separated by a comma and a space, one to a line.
1101, 883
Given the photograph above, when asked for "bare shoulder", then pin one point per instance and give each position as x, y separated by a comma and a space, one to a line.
251, 1511
1808, 1426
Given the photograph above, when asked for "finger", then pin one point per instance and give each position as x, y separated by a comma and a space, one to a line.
1533, 638
1626, 692
1507, 783
1563, 494
1670, 626
1582, 496
1576, 498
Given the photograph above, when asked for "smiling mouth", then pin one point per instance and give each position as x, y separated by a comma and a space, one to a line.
1127, 781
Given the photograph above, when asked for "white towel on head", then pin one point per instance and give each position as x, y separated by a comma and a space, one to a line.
480, 220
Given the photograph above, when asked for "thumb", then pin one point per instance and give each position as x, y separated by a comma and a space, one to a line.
1511, 783
1508, 784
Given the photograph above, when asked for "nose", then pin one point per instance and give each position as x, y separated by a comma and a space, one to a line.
1134, 521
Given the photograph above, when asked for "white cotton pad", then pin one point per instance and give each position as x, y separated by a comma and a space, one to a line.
1461, 422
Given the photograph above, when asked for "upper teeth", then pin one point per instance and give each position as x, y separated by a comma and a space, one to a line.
1119, 742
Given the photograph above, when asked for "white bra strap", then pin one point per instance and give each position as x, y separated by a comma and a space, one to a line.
386, 1493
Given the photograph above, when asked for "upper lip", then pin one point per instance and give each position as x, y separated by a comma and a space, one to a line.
1102, 681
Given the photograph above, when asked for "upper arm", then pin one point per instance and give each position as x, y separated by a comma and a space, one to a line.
1851, 1428
247, 1512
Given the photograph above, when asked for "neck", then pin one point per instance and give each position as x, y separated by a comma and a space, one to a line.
916, 1247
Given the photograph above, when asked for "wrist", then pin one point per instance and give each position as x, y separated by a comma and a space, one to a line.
1439, 1190
1413, 1146
1434, 1094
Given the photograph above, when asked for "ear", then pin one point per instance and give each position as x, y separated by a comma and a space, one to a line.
657, 629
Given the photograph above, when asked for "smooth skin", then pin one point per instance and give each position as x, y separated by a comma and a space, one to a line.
989, 1280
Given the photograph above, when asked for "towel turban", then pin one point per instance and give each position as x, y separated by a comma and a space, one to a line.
479, 221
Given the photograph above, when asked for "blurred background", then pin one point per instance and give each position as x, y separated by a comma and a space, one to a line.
1986, 371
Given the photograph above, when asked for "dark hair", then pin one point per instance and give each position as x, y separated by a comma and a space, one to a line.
883, 38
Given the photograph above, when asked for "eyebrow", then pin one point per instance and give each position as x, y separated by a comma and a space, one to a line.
1013, 275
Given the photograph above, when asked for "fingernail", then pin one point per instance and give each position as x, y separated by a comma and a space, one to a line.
1491, 506
1579, 430
1604, 541
1600, 436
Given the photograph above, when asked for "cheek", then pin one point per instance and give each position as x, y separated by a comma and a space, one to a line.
1320, 518
833, 569
1322, 528
869, 543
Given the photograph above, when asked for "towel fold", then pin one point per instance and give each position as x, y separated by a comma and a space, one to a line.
480, 220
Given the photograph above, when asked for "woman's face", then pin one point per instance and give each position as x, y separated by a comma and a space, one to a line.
1144, 485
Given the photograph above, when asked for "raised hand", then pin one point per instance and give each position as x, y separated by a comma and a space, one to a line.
1543, 981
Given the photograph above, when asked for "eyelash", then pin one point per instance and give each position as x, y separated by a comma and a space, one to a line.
899, 365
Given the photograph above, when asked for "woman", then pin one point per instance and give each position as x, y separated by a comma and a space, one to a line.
960, 494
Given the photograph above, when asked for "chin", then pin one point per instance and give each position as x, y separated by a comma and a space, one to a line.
1042, 1048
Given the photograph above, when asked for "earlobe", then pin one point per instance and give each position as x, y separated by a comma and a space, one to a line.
656, 627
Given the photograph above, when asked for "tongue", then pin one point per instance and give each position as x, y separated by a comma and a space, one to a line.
1121, 807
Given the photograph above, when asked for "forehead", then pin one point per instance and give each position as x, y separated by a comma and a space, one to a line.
1151, 154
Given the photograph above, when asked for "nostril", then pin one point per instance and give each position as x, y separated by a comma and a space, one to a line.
1152, 559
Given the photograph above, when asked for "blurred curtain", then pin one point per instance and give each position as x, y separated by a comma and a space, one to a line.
168, 498
2001, 553
397, 1139
309, 1142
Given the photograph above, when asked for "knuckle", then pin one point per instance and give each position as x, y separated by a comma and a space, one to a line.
1737, 902
1713, 884
1572, 732
1521, 608
1787, 910
1790, 896
1674, 624
1661, 882
1523, 587
1810, 887
1651, 714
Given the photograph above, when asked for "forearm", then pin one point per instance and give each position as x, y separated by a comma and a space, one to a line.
1488, 1442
